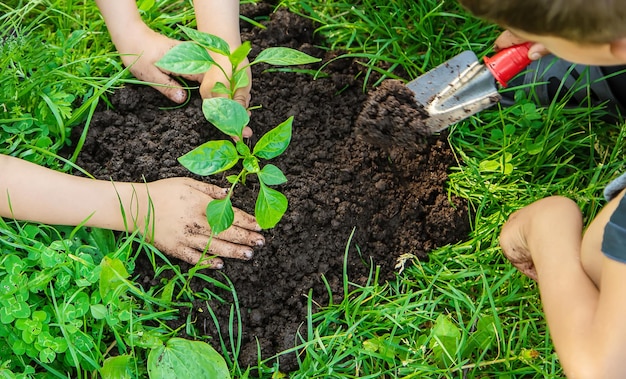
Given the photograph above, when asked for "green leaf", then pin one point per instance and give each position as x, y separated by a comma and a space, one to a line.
146, 339
251, 164
51, 258
241, 79
270, 207
508, 168
181, 358
186, 58
9, 285
47, 355
242, 148
210, 158
102, 239
38, 281
59, 345
63, 281
272, 175
168, 291
489, 165
119, 367
240, 53
484, 335
445, 340
509, 129
112, 278
220, 87
20, 309
536, 147
145, 5
284, 56
207, 41
5, 316
274, 142
98, 311
13, 264
384, 346
81, 304
220, 215
227, 115
496, 134
40, 316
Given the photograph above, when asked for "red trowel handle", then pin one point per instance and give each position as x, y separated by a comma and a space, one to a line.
508, 62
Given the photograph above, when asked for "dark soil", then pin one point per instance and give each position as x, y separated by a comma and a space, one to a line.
391, 117
394, 198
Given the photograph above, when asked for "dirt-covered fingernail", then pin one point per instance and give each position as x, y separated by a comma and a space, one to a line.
248, 254
218, 265
178, 96
260, 242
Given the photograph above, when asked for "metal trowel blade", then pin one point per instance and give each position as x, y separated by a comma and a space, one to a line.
454, 90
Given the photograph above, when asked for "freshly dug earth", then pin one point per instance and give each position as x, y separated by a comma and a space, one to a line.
391, 117
394, 198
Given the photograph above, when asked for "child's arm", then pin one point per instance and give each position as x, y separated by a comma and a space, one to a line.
588, 325
221, 18
140, 47
170, 212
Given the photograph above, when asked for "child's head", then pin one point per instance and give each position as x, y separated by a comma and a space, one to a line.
583, 31
582, 21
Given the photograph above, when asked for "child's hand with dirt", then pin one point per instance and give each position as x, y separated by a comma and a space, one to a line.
181, 228
140, 47
529, 233
169, 212
221, 18
215, 75
514, 245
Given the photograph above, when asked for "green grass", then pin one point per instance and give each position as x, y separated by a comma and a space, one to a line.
466, 313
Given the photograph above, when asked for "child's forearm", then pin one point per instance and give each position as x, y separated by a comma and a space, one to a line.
586, 323
569, 297
34, 193
121, 18
219, 17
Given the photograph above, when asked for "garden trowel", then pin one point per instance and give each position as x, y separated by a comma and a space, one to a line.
464, 86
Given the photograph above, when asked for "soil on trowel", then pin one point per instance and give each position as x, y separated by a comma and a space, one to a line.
391, 117
393, 200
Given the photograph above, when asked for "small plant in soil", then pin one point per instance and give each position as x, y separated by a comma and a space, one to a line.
230, 117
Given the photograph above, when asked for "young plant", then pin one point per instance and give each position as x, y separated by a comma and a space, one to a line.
231, 118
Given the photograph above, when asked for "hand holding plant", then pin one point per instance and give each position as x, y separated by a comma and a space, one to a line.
215, 75
231, 117
178, 228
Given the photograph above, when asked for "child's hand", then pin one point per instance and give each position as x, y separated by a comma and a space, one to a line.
140, 50
181, 229
533, 238
508, 39
514, 245
215, 75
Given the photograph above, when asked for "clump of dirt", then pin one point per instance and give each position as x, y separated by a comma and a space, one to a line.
391, 117
394, 200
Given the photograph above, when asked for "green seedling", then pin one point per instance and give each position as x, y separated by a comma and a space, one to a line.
230, 117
